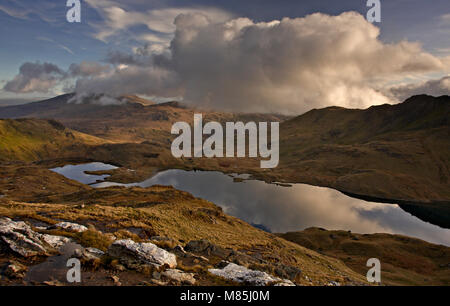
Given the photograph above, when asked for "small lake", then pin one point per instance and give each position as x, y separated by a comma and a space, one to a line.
281, 209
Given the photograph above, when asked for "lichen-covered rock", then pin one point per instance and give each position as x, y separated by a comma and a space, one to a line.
93, 252
55, 241
20, 238
179, 276
15, 270
71, 227
242, 274
17, 236
285, 283
88, 253
132, 253
207, 248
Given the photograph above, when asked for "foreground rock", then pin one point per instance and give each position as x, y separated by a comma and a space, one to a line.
21, 239
88, 253
15, 269
242, 274
70, 227
179, 276
133, 253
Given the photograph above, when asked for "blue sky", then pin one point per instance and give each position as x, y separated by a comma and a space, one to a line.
37, 30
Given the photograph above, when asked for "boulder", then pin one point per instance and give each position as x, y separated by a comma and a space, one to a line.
15, 269
88, 253
132, 253
205, 247
17, 236
179, 276
242, 274
70, 227
55, 241
285, 283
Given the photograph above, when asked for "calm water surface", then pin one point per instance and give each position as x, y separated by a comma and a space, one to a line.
282, 209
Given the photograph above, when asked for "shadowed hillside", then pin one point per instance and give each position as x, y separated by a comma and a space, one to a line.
388, 153
404, 260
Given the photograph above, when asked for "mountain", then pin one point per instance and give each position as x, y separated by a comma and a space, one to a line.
36, 139
133, 120
389, 153
404, 260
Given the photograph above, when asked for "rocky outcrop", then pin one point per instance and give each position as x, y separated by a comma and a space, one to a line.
179, 277
88, 253
132, 253
19, 238
55, 241
244, 275
207, 248
14, 269
70, 227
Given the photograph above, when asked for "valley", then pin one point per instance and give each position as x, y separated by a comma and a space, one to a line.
395, 154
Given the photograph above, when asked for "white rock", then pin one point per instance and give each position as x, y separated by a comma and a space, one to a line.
179, 276
69, 226
131, 252
20, 238
242, 274
285, 283
55, 241
92, 253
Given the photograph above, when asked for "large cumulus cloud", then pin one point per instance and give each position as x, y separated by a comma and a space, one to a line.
437, 87
291, 65
35, 77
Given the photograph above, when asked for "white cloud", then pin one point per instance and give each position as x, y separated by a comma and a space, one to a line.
35, 77
118, 20
56, 43
437, 87
289, 66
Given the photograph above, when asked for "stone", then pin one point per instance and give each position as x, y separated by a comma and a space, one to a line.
116, 280
333, 283
289, 272
92, 253
132, 253
179, 251
205, 247
71, 227
15, 270
179, 276
285, 283
242, 274
17, 236
55, 241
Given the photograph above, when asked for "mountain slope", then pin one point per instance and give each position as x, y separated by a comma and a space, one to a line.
404, 260
133, 120
35, 139
390, 152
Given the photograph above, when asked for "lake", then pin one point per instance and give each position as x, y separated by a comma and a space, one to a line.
280, 209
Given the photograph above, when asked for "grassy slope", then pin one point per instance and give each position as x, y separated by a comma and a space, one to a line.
398, 152
404, 260
34, 139
165, 211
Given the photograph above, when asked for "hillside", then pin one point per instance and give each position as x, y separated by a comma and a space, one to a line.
389, 153
163, 215
404, 260
34, 139
134, 120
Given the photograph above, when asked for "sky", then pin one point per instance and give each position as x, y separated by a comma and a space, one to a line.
271, 56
